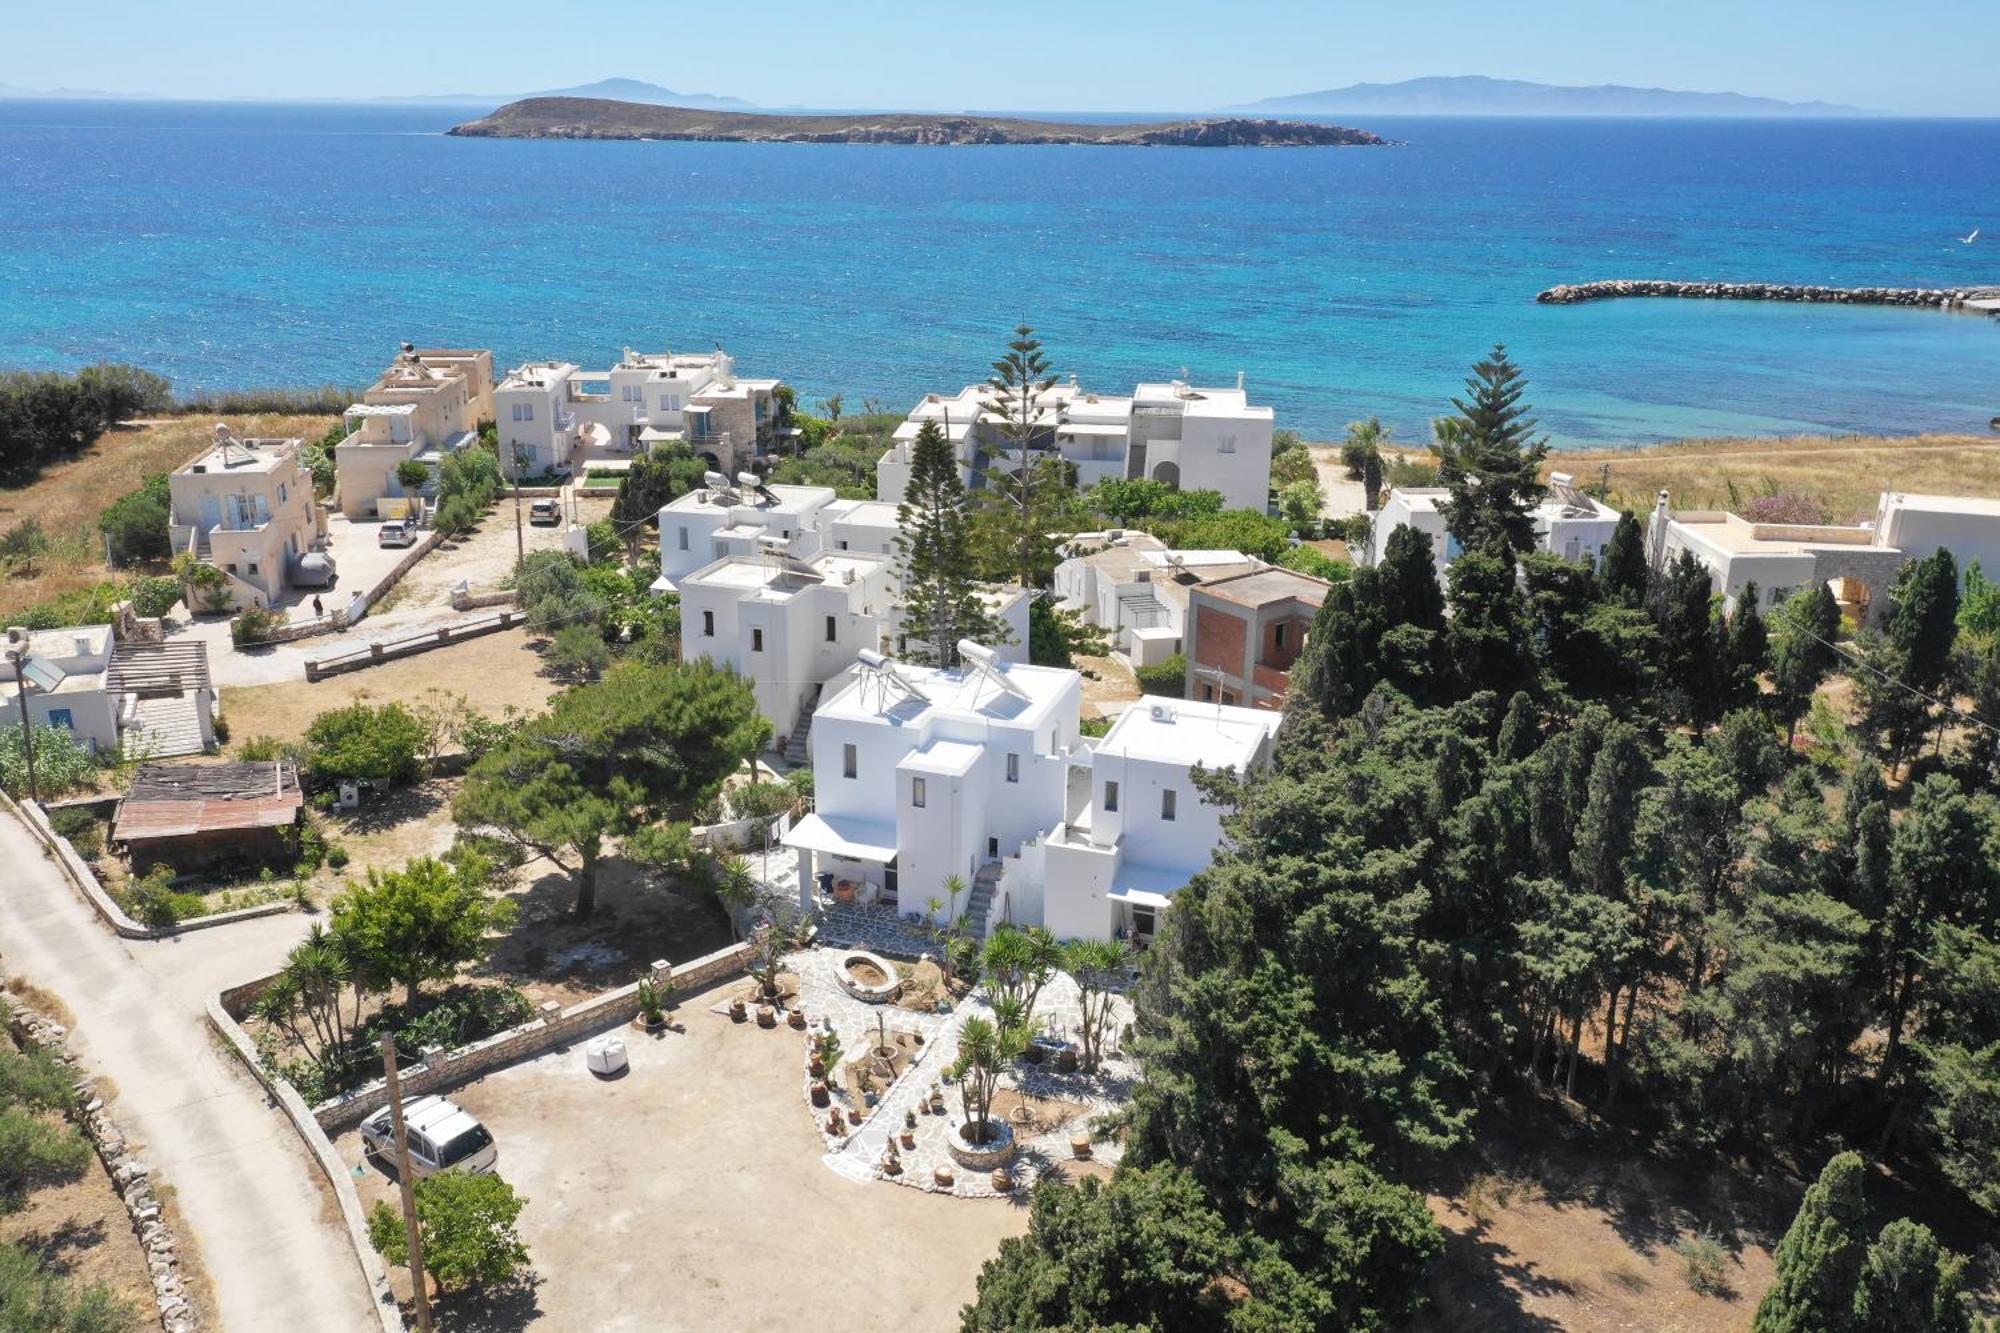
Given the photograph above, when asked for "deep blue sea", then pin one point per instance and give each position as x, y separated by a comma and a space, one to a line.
232, 245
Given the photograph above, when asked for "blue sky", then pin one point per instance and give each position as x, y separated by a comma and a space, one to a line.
1916, 56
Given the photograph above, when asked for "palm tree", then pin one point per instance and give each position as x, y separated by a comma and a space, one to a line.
985, 1048
735, 888
1096, 965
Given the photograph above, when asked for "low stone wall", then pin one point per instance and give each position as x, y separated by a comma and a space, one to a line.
320, 1147
84, 880
555, 1026
131, 1177
377, 653
464, 600
1943, 298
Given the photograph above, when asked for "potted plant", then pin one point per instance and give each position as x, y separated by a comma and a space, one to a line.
652, 1015
738, 1010
821, 1095
909, 1129
985, 1048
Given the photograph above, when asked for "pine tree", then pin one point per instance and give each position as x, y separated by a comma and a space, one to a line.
1819, 1260
941, 602
1622, 570
1493, 464
1802, 653
1024, 503
1910, 1284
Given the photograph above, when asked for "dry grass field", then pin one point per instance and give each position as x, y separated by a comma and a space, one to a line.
68, 497
1845, 473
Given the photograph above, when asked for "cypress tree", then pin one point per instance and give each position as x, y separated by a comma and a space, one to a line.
1748, 649
1925, 624
1819, 1260
1621, 571
1910, 1284
1801, 654
1520, 730
1493, 463
941, 603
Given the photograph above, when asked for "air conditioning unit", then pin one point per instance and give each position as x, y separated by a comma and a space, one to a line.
1162, 712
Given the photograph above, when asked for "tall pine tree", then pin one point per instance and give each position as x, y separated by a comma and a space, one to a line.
1025, 501
1820, 1258
1493, 463
941, 602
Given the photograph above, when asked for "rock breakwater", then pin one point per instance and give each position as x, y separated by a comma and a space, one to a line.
1941, 298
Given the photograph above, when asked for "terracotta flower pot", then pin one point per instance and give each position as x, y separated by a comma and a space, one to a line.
738, 1010
816, 1066
853, 1115
909, 1141
796, 1017
767, 1017
942, 1174
1079, 1145
820, 1095
1003, 1180
1066, 1061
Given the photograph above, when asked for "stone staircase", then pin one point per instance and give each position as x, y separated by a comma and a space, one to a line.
980, 904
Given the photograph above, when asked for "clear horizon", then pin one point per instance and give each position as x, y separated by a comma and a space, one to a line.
1933, 57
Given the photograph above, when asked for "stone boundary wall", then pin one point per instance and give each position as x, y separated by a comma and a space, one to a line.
84, 880
462, 600
131, 1177
373, 1273
375, 654
1942, 298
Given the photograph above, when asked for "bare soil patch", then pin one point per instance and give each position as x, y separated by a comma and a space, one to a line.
1034, 1116
1107, 683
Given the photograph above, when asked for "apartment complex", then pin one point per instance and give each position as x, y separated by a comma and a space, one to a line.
124, 699
246, 506
555, 417
922, 774
787, 624
427, 405
1568, 523
1245, 631
1130, 584
1186, 437
1135, 827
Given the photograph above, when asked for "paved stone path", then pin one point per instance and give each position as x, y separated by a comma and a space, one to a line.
255, 1210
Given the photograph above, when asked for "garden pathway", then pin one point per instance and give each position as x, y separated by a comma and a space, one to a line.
254, 1209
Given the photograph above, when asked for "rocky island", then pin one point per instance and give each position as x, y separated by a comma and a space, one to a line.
593, 118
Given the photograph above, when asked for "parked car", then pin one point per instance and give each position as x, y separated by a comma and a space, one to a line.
443, 1137
396, 534
544, 512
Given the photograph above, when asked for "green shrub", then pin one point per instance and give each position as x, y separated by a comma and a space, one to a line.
456, 516
264, 749
1704, 1263
336, 857
36, 1151
84, 830
761, 800
603, 538
579, 652
136, 524
62, 762
155, 902
467, 1224
1311, 560
1094, 726
154, 596
254, 625
36, 1298
363, 742
412, 475
1168, 677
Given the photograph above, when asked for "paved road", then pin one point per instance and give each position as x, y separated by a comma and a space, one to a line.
261, 1219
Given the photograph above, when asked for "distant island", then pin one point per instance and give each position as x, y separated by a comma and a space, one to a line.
621, 90
596, 118
1476, 95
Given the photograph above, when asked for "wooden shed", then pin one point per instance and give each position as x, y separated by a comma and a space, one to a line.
191, 816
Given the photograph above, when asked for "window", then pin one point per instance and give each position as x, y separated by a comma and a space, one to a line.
917, 792
1013, 768
1207, 693
684, 537
666, 402
847, 761
62, 717
253, 567
524, 411
1278, 637
843, 545
832, 630
1228, 445
1111, 798
1167, 800
708, 624
993, 848
756, 640
282, 494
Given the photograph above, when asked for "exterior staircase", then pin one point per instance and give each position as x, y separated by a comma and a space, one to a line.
980, 904
798, 749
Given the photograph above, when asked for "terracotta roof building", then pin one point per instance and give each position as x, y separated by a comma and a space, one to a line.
192, 815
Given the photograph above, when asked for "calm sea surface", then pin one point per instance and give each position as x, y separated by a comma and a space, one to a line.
240, 245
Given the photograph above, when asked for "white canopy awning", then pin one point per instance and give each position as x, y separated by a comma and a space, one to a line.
1141, 898
841, 835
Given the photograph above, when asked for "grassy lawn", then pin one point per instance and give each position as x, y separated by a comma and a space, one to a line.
68, 497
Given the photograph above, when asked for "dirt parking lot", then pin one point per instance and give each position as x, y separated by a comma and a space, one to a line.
689, 1195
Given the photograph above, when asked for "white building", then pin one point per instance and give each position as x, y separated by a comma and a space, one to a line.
1187, 437
921, 774
786, 624
867, 526
1568, 522
556, 417
129, 700
726, 516
1130, 584
1859, 562
428, 404
1135, 828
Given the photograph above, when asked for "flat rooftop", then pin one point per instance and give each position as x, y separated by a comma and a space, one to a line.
1733, 534
234, 454
1947, 504
871, 513
788, 499
967, 693
1179, 731
1265, 586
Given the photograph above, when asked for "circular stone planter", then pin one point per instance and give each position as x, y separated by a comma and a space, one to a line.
996, 1152
868, 977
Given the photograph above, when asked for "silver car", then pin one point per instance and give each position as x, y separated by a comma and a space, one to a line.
443, 1137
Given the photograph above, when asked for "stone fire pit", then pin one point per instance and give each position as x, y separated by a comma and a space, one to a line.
868, 977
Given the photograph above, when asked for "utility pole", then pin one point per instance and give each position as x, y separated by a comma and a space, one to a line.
520, 541
19, 657
411, 1232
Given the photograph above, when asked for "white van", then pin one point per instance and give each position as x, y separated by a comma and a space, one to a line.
442, 1137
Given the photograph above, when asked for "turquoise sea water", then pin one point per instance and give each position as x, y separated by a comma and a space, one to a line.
234, 245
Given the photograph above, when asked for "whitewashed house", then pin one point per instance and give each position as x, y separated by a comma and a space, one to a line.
726, 516
1568, 522
1130, 584
921, 774
123, 699
426, 406
1187, 437
556, 417
786, 624
1135, 828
